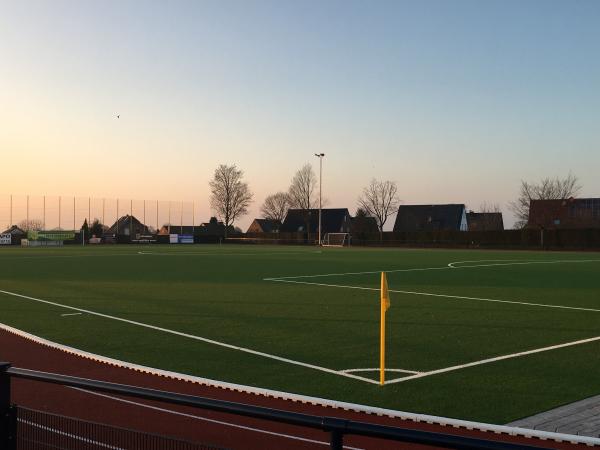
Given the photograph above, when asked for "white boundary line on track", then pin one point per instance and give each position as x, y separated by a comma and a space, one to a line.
75, 437
197, 338
402, 415
206, 419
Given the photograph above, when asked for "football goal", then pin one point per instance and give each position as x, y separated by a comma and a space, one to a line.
336, 240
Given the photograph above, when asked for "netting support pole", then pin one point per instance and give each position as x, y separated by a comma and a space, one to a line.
8, 422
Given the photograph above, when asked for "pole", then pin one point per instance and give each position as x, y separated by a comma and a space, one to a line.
320, 156
382, 345
320, 195
130, 218
74, 226
44, 214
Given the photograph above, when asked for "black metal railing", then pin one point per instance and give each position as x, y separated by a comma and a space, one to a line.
336, 427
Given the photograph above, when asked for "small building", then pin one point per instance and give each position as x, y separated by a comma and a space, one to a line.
127, 226
333, 220
179, 229
363, 225
264, 226
486, 221
570, 213
451, 217
15, 233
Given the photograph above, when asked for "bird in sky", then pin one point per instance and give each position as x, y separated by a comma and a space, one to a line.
118, 116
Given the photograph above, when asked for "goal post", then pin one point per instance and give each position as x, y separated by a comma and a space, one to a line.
336, 240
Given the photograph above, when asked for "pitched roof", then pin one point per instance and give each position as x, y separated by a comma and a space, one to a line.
14, 230
485, 221
265, 225
430, 217
568, 213
124, 222
333, 220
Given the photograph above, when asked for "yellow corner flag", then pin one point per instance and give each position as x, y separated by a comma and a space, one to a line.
385, 304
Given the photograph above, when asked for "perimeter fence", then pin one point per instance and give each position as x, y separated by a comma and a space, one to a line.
20, 427
48, 212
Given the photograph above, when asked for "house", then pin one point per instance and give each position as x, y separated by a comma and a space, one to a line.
264, 226
12, 236
128, 226
362, 225
486, 221
450, 217
568, 213
179, 229
333, 220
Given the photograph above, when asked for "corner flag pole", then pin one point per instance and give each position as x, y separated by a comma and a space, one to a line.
385, 304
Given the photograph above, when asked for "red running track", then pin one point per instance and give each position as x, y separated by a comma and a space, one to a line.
218, 429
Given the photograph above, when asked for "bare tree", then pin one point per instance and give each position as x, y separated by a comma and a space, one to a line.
380, 200
31, 225
302, 188
547, 189
230, 196
276, 206
301, 191
486, 207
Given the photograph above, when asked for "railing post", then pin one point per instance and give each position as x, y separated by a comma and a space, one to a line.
336, 427
7, 413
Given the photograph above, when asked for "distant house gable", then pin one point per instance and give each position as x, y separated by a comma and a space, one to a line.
431, 218
569, 213
264, 226
14, 231
128, 226
485, 221
333, 220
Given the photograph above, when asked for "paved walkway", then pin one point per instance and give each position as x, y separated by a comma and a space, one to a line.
582, 418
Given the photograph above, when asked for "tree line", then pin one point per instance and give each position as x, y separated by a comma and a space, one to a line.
231, 197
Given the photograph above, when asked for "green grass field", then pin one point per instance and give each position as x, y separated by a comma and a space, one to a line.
441, 316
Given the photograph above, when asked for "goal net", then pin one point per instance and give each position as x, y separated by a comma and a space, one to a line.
336, 240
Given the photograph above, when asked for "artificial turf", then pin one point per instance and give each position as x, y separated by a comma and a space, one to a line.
220, 293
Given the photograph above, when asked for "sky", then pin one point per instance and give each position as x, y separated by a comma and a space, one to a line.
455, 101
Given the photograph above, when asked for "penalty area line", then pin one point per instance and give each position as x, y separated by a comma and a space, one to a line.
430, 294
194, 337
494, 359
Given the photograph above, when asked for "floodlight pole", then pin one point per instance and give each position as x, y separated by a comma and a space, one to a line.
320, 156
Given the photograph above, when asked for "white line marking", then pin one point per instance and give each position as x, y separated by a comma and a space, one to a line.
429, 294
376, 369
495, 359
446, 267
75, 437
198, 338
515, 262
205, 419
71, 314
227, 253
335, 404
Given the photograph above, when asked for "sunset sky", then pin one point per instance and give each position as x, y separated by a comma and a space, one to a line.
456, 101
